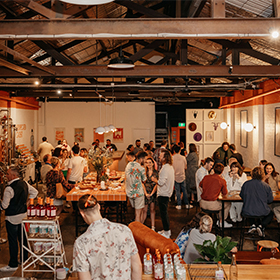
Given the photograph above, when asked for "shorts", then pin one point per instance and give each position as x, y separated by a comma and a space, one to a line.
137, 202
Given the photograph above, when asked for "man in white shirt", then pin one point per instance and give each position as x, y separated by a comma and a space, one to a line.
165, 190
180, 165
14, 203
77, 166
201, 172
44, 148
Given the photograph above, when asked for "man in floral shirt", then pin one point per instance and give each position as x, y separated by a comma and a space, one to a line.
106, 250
135, 175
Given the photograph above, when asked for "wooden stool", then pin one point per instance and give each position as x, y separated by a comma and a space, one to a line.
267, 244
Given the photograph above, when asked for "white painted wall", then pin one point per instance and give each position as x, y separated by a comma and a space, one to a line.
70, 115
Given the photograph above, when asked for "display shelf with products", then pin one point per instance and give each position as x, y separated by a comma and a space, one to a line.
44, 245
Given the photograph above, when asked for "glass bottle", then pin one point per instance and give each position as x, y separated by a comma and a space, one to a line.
158, 268
31, 211
38, 207
233, 272
148, 265
51, 211
42, 209
166, 256
47, 204
219, 273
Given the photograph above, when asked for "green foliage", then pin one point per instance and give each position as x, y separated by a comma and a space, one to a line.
215, 251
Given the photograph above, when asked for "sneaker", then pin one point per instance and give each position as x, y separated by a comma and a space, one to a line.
252, 229
153, 228
164, 233
8, 269
189, 206
178, 207
260, 231
161, 232
226, 224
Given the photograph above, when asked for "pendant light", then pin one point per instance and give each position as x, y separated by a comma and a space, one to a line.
121, 62
112, 128
87, 2
100, 129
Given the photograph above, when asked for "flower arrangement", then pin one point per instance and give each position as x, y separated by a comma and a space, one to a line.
100, 159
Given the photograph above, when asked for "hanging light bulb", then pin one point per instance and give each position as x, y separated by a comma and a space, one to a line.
107, 129
112, 128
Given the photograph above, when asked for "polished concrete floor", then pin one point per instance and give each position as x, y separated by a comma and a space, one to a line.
178, 218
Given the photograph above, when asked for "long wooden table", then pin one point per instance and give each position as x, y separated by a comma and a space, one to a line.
111, 194
235, 197
245, 272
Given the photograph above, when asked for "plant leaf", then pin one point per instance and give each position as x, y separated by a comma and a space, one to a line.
230, 246
225, 241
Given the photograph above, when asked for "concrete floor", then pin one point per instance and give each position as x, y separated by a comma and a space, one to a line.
178, 218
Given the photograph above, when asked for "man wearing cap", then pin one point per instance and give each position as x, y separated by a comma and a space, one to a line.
106, 250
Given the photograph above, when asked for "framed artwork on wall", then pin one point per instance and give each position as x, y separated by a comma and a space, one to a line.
209, 136
243, 132
79, 135
277, 133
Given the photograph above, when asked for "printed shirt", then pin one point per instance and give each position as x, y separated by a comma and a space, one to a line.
135, 174
105, 250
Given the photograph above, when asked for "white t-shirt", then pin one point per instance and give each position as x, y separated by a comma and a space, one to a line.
179, 165
77, 165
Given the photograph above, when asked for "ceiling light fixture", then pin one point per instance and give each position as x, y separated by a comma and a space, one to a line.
59, 91
224, 125
87, 2
37, 83
249, 127
275, 34
121, 62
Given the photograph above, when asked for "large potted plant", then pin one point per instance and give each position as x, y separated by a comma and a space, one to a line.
215, 251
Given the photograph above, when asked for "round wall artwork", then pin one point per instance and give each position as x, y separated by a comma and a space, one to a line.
212, 115
192, 126
197, 137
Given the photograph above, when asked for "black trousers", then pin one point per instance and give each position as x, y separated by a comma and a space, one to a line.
163, 205
14, 235
264, 221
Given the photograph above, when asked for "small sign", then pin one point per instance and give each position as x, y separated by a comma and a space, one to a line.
182, 124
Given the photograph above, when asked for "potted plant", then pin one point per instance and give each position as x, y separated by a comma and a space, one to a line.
215, 251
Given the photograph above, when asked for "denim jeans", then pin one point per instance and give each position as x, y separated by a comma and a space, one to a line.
181, 187
14, 235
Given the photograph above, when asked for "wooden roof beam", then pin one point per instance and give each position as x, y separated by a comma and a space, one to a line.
14, 67
175, 28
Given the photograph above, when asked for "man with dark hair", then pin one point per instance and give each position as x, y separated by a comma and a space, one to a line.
256, 195
157, 153
106, 250
225, 153
110, 145
165, 189
14, 203
77, 166
211, 187
200, 173
44, 149
152, 146
180, 165
235, 154
135, 176
137, 147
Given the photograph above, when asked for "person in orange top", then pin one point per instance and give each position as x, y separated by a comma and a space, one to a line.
211, 186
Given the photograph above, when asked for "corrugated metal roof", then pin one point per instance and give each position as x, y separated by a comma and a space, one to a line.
262, 8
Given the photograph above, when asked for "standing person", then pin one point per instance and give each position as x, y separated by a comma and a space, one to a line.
130, 148
14, 203
44, 170
54, 177
64, 161
137, 147
106, 250
183, 151
256, 196
235, 154
77, 166
200, 173
84, 154
192, 166
66, 146
135, 176
211, 187
165, 190
150, 191
110, 145
271, 177
152, 145
225, 153
180, 165
44, 149
157, 152
235, 180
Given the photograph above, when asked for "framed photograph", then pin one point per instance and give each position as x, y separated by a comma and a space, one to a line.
209, 136
243, 132
79, 135
277, 132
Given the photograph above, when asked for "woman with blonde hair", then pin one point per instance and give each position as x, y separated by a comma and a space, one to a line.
198, 236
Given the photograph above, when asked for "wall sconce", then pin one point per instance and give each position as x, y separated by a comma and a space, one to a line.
224, 125
249, 127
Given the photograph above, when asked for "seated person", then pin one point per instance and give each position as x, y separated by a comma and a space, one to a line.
235, 180
227, 167
256, 195
262, 163
198, 236
211, 186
